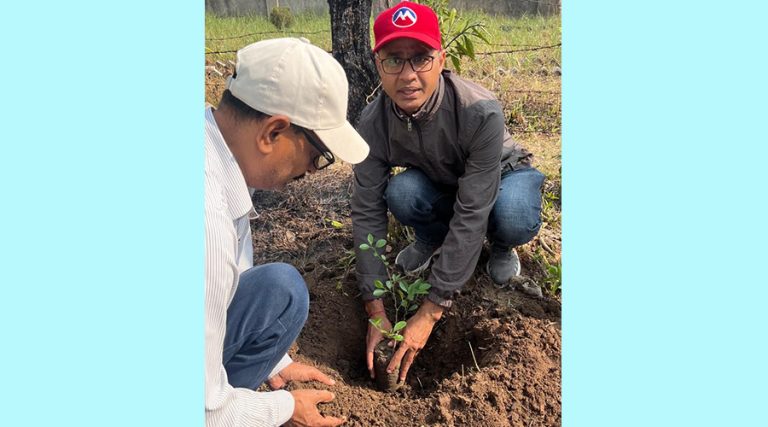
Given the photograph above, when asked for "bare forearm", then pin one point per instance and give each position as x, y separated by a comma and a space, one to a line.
374, 306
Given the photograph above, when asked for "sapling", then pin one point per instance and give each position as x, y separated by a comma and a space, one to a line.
404, 296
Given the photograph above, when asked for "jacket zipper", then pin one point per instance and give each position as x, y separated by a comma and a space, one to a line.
421, 141
408, 122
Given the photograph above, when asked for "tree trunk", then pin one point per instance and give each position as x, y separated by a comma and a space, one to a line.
351, 42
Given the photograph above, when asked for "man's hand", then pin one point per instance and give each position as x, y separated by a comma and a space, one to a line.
305, 411
298, 372
375, 310
415, 336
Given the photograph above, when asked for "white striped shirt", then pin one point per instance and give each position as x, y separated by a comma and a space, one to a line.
228, 252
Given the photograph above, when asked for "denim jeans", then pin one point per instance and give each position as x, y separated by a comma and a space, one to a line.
514, 220
266, 315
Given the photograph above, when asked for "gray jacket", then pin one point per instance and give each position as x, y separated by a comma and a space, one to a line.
459, 140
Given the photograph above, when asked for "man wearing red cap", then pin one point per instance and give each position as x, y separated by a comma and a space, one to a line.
466, 178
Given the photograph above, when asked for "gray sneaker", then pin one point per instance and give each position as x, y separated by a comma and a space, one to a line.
415, 257
503, 265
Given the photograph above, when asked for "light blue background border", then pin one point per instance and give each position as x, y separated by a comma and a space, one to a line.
102, 221
664, 223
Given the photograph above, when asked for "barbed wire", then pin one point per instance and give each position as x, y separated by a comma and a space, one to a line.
216, 52
541, 132
519, 50
235, 51
525, 47
268, 32
533, 91
498, 52
510, 45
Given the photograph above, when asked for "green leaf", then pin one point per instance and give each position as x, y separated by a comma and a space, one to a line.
379, 292
483, 34
397, 337
414, 287
413, 307
401, 294
399, 325
456, 63
364, 247
470, 47
460, 48
375, 322
404, 303
370, 239
336, 224
402, 286
423, 287
378, 284
381, 243
389, 284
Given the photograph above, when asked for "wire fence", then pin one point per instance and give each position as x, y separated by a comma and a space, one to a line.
515, 49
526, 48
267, 32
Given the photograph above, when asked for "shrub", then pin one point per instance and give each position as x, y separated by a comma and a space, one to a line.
281, 17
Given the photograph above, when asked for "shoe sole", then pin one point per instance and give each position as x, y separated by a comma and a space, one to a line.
488, 270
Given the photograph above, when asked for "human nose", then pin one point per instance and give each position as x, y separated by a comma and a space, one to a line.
408, 72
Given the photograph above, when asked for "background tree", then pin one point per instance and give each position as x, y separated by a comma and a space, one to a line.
351, 45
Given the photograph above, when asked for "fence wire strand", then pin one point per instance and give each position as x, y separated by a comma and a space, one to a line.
497, 52
268, 32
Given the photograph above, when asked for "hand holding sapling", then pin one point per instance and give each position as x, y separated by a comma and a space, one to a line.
415, 338
404, 296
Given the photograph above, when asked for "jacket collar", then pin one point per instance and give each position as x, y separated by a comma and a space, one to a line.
428, 109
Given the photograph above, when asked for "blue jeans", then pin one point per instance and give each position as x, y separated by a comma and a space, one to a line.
266, 315
514, 220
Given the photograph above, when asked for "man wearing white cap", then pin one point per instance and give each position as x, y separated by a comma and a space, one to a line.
283, 115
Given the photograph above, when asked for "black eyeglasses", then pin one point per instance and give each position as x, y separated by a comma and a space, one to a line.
325, 158
395, 65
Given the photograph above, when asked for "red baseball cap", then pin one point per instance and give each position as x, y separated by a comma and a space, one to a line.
407, 20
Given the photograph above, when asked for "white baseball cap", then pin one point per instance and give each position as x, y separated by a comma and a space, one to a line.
292, 77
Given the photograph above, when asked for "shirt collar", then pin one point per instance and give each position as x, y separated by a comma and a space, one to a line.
236, 191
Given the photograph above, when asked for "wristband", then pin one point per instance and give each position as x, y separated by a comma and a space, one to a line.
375, 313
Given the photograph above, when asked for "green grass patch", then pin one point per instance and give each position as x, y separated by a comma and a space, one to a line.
231, 33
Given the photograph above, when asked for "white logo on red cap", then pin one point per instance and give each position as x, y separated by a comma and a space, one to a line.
404, 17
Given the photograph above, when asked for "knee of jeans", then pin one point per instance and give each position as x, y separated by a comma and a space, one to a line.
516, 228
287, 281
404, 196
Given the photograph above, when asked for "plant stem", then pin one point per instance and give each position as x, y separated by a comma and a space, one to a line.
394, 300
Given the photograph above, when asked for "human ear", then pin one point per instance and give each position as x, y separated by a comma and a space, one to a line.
441, 57
271, 131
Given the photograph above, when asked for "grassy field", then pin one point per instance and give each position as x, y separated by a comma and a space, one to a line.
521, 65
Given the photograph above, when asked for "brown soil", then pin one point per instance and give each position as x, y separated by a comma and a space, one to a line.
493, 360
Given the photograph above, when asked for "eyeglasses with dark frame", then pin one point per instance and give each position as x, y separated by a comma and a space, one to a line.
395, 65
325, 158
